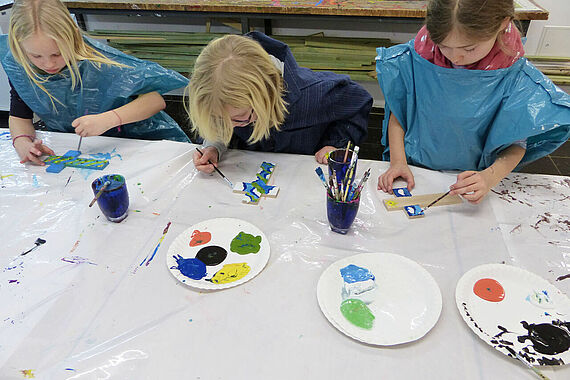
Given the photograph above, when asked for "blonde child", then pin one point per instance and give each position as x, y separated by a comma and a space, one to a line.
460, 96
75, 84
249, 90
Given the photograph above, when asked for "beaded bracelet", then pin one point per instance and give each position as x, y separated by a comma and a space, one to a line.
120, 120
17, 137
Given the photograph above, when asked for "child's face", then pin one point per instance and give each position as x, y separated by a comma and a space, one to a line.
462, 51
241, 117
42, 51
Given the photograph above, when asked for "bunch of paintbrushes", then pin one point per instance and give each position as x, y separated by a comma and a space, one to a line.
344, 188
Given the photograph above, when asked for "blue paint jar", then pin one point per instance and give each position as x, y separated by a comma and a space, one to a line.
341, 214
336, 162
114, 200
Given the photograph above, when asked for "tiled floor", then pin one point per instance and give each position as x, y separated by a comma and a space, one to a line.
557, 163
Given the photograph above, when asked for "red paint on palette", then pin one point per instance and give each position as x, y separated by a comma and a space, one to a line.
489, 290
199, 238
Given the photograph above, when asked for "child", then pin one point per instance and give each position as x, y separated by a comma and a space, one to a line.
75, 84
460, 96
251, 88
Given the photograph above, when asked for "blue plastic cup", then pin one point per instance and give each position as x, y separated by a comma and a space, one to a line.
336, 162
341, 214
114, 200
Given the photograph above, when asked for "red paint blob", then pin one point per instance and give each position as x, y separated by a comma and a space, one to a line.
489, 290
199, 238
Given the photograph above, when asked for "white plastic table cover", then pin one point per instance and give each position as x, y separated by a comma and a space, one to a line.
81, 306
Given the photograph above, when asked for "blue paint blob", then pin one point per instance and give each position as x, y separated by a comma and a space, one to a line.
353, 273
192, 268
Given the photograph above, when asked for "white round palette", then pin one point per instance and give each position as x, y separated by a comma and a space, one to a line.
221, 233
529, 301
406, 304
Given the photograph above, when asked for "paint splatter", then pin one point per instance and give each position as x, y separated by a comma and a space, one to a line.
563, 277
353, 273
28, 373
148, 259
547, 338
38, 242
191, 268
199, 238
489, 290
107, 156
140, 187
357, 313
13, 282
245, 243
212, 255
541, 299
77, 260
230, 273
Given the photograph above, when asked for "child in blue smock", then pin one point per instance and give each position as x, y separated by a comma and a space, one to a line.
460, 96
75, 84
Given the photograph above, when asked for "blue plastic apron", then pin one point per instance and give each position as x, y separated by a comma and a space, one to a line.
458, 119
103, 89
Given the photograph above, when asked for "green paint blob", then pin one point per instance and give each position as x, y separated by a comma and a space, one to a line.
245, 243
357, 313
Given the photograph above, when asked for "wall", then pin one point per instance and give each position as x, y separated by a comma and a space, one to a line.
550, 37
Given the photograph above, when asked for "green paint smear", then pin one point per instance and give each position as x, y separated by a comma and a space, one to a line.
357, 313
245, 243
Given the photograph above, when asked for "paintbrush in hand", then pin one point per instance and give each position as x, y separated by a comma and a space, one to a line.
437, 200
218, 170
99, 193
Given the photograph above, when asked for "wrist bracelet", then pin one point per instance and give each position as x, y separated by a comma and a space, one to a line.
120, 120
17, 137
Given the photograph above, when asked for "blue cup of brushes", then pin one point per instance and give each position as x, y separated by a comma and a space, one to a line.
112, 196
339, 163
341, 214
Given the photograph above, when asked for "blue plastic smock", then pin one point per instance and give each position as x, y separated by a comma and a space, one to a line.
458, 119
103, 89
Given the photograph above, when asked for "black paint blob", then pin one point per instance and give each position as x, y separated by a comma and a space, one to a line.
547, 338
212, 255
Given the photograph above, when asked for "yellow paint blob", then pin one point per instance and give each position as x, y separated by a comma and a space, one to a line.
391, 203
231, 273
28, 373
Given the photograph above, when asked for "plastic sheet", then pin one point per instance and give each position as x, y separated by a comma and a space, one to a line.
84, 305
458, 119
102, 89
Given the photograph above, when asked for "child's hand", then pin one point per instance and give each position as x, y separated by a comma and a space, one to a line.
472, 185
31, 151
396, 170
93, 125
322, 155
201, 160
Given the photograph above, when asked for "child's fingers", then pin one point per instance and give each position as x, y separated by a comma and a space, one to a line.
205, 168
35, 159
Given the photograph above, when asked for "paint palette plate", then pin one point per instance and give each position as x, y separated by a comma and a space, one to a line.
218, 253
516, 311
406, 303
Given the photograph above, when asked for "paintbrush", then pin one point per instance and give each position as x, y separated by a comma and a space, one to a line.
218, 170
350, 172
79, 145
346, 152
361, 184
437, 200
321, 175
99, 193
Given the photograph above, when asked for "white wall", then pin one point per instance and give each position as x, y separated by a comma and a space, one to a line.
550, 37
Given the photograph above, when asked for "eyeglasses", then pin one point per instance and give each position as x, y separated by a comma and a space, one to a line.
243, 123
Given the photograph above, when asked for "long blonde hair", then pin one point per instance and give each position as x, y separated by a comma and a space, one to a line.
234, 71
52, 18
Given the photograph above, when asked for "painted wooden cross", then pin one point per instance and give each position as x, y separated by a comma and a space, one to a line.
259, 188
58, 163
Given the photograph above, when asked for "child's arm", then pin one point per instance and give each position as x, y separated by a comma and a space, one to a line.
143, 107
398, 163
28, 147
473, 185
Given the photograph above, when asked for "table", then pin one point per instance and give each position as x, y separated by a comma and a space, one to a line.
268, 9
81, 306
